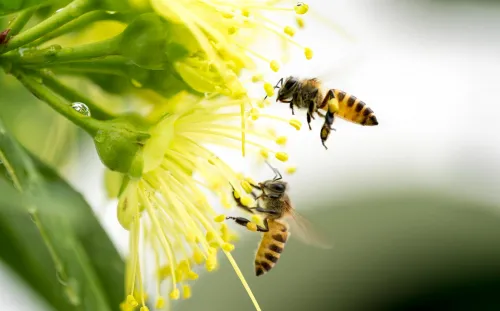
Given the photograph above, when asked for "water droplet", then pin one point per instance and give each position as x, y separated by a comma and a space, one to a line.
81, 108
21, 51
136, 83
53, 49
111, 12
59, 10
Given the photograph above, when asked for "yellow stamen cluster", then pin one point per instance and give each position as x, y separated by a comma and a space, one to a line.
222, 32
168, 209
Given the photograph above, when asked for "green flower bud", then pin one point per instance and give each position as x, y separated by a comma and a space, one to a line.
148, 42
119, 144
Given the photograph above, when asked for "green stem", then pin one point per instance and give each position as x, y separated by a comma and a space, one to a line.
17, 25
65, 15
88, 124
84, 20
115, 65
56, 54
73, 96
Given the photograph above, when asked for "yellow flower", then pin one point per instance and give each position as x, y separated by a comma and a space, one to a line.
168, 208
221, 32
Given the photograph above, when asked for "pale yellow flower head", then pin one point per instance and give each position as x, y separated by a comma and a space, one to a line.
172, 208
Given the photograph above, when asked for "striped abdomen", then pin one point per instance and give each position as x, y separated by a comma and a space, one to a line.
271, 246
353, 109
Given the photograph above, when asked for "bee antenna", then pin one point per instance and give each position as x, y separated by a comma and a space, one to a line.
275, 170
277, 86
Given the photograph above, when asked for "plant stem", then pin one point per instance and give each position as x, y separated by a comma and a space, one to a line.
17, 25
65, 15
84, 20
73, 96
56, 54
63, 107
114, 65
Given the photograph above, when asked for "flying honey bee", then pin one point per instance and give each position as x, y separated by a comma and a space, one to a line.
278, 211
311, 95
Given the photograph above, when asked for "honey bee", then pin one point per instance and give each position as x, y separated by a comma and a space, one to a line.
311, 95
278, 211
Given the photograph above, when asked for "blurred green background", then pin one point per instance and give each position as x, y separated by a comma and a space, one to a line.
412, 206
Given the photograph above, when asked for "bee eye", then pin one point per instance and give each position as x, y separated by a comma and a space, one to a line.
290, 83
278, 187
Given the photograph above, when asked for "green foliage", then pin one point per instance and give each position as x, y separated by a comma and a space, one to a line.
51, 238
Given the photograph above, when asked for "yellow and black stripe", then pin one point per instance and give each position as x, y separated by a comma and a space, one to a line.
271, 246
354, 110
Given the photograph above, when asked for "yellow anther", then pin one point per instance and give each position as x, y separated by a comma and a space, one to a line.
257, 78
160, 303
246, 201
308, 53
211, 263
227, 247
268, 87
251, 226
275, 66
300, 21
227, 15
291, 169
236, 194
198, 257
301, 8
264, 153
144, 308
186, 292
192, 275
226, 203
246, 186
295, 123
164, 272
245, 12
254, 112
250, 181
174, 295
289, 31
131, 301
256, 219
231, 30
214, 244
282, 156
261, 104
179, 276
210, 236
281, 140
267, 102
220, 218
240, 176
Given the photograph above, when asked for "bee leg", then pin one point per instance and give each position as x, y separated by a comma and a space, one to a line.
320, 113
309, 121
265, 211
291, 107
244, 222
326, 128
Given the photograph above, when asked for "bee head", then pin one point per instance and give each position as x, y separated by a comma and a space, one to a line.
277, 187
287, 89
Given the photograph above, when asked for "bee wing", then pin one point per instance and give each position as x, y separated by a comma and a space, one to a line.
304, 231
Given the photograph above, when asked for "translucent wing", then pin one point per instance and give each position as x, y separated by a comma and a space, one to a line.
304, 231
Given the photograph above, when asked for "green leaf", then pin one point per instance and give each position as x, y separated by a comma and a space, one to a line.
50, 237
12, 6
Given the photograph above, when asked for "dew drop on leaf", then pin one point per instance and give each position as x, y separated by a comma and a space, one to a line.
81, 108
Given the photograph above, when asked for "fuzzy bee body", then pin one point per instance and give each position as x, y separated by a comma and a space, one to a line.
310, 94
276, 206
